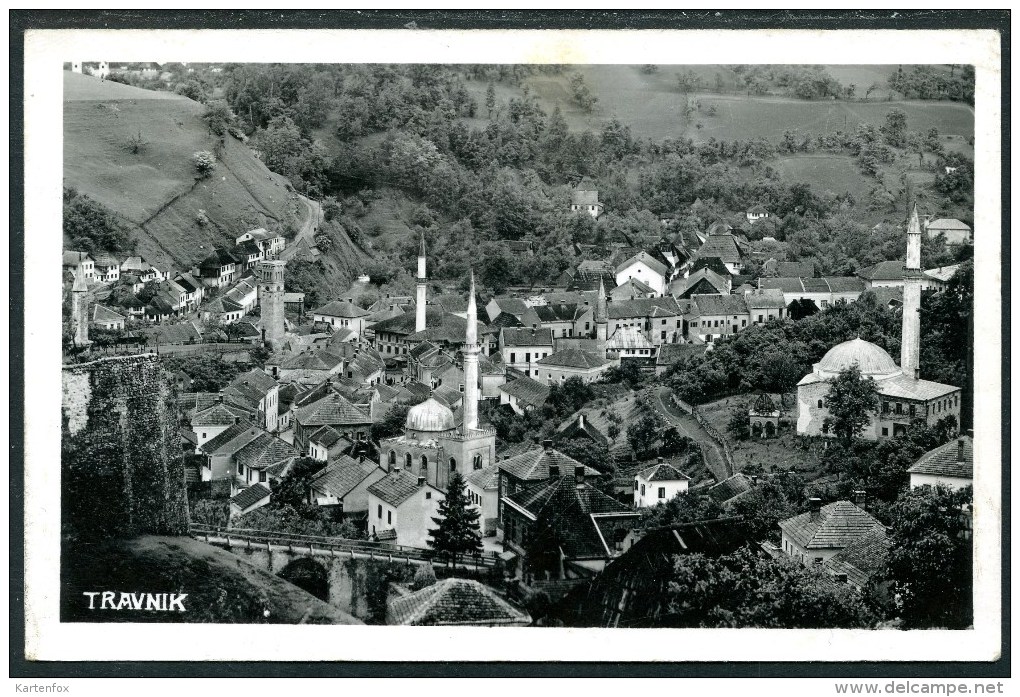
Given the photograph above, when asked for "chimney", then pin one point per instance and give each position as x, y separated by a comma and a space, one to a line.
860, 498
421, 481
816, 507
839, 578
554, 471
959, 450
546, 444
579, 475
361, 458
661, 459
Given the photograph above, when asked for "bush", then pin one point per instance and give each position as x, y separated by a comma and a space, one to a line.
424, 577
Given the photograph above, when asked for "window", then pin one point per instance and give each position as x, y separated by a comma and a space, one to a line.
424, 464
913, 410
664, 323
379, 511
759, 318
819, 560
393, 457
477, 464
885, 407
527, 357
407, 461
662, 492
899, 407
262, 476
428, 494
642, 489
821, 403
389, 517
885, 431
743, 323
203, 434
635, 485
240, 468
513, 357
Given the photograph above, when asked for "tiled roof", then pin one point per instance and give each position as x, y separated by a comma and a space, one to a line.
172, 333
403, 324
326, 436
341, 308
862, 558
836, 526
451, 329
723, 246
232, 439
815, 285
709, 305
584, 198
559, 312
571, 510
331, 410
323, 359
573, 358
265, 451
526, 337
908, 388
526, 390
887, 295
730, 488
632, 285
582, 428
762, 299
101, 313
339, 478
505, 319
945, 460
256, 378
883, 271
75, 258
685, 287
943, 273
628, 338
804, 269
248, 248
714, 263
246, 498
218, 415
533, 465
456, 601
395, 488
644, 258
948, 224
786, 285
844, 284
485, 478
663, 472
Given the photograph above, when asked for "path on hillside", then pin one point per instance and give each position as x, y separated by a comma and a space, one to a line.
308, 228
689, 426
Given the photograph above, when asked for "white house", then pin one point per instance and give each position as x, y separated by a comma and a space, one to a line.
756, 213
658, 484
340, 313
344, 483
401, 506
821, 533
482, 488
522, 348
570, 363
645, 268
950, 465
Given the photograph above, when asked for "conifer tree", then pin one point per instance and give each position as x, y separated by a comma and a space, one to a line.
458, 532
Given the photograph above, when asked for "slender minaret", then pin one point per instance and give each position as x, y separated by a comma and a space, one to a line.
601, 319
910, 341
419, 308
471, 362
80, 307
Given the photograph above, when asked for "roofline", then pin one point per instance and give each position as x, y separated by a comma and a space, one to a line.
520, 509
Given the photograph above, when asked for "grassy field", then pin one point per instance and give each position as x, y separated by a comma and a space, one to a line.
781, 452
836, 174
155, 190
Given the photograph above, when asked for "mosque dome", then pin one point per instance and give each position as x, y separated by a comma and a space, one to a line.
870, 359
430, 416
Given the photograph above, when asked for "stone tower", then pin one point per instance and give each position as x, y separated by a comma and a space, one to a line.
471, 362
419, 308
601, 318
271, 302
80, 308
910, 344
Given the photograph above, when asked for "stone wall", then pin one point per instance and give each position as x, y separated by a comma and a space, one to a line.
121, 460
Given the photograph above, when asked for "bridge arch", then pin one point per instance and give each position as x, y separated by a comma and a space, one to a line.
309, 575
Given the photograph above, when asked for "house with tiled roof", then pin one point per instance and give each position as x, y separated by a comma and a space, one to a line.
714, 316
482, 487
249, 499
249, 255
560, 366
265, 459
950, 465
581, 428
457, 602
213, 420
658, 319
260, 392
523, 394
632, 289
822, 532
271, 243
311, 366
765, 305
72, 260
450, 333
522, 348
704, 281
670, 354
861, 562
590, 274
401, 507
107, 267
333, 410
565, 319
219, 456
726, 492
390, 335
219, 269
514, 307
646, 268
938, 279
631, 344
882, 274
340, 313
723, 245
755, 213
955, 231
821, 291
585, 199
580, 528
658, 484
180, 333
532, 466
344, 482
104, 318
327, 444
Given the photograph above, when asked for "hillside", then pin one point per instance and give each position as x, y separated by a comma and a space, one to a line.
155, 191
222, 587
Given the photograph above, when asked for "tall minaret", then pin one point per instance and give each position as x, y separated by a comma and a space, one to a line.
419, 308
910, 341
601, 319
471, 362
80, 308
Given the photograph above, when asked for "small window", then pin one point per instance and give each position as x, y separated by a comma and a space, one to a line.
635, 485
262, 476
428, 494
662, 492
821, 403
379, 512
642, 489
240, 469
885, 431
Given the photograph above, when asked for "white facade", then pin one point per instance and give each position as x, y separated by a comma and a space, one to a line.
955, 483
641, 271
411, 519
650, 493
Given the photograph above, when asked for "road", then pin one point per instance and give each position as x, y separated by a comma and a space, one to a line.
689, 426
308, 228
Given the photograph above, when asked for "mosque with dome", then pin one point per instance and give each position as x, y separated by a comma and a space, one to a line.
903, 396
436, 441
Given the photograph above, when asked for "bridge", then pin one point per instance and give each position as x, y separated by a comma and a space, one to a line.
315, 546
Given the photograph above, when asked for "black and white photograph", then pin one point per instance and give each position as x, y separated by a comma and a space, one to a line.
529, 343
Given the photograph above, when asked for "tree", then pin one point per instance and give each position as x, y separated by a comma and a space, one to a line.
205, 163
930, 561
458, 532
136, 143
643, 433
851, 401
895, 127
392, 424
490, 98
293, 488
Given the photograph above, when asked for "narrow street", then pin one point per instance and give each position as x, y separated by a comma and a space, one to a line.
689, 426
308, 228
